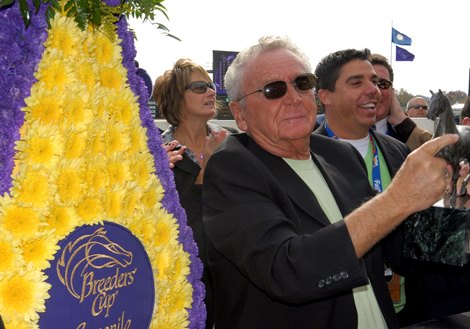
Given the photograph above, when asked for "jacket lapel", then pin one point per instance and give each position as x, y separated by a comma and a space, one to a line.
292, 184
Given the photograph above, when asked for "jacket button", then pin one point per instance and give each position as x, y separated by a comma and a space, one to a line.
321, 283
336, 277
329, 280
344, 274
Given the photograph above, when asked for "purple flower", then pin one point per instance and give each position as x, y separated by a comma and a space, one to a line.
20, 52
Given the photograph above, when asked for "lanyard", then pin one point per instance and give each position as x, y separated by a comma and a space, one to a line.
376, 177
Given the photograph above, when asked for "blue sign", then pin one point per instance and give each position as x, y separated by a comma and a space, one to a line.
101, 278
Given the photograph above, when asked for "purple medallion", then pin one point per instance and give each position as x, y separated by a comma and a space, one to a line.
101, 278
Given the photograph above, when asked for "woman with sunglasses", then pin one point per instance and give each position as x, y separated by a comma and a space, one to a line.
186, 96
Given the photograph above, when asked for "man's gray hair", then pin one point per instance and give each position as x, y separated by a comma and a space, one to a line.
234, 75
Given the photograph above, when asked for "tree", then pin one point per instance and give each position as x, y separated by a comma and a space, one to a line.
456, 96
403, 97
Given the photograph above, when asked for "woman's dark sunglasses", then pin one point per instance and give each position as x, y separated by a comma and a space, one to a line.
200, 87
384, 84
273, 90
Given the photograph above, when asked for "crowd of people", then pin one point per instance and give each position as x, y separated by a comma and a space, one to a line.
300, 224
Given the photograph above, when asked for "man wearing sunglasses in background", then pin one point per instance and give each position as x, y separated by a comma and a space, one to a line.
417, 107
391, 120
291, 244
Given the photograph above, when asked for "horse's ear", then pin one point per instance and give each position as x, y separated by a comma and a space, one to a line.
432, 93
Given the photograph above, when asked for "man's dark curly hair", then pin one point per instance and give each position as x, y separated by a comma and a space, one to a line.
329, 68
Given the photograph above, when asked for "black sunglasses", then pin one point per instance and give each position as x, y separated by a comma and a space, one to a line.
417, 107
384, 84
273, 90
200, 87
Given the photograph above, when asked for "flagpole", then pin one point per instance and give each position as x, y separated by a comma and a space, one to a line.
391, 47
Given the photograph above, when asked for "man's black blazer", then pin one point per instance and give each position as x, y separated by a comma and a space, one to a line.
275, 259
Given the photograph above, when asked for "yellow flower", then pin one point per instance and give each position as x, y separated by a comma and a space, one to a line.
180, 264
111, 77
166, 228
143, 227
69, 184
96, 138
138, 138
75, 145
113, 202
89, 208
163, 260
143, 167
96, 175
21, 222
76, 109
62, 220
44, 105
9, 251
100, 103
40, 250
131, 201
105, 51
123, 105
23, 294
60, 37
180, 297
31, 186
118, 171
40, 145
52, 70
117, 139
86, 74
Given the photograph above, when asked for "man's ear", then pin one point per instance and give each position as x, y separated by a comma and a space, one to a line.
465, 121
237, 113
324, 96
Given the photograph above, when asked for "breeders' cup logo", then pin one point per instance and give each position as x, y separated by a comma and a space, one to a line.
100, 278
82, 257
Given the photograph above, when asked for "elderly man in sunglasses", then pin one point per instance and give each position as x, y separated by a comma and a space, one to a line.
293, 241
391, 120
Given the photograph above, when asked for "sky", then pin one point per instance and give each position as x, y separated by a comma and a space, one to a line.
438, 29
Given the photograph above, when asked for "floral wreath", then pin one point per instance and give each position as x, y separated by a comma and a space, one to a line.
68, 100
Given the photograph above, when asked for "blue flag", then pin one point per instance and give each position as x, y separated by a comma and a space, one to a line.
402, 54
400, 38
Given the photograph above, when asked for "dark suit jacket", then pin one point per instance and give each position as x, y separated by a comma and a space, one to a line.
276, 260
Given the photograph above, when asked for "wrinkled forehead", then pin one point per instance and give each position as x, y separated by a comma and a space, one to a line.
275, 63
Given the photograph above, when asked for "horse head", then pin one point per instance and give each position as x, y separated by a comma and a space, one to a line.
91, 251
440, 111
